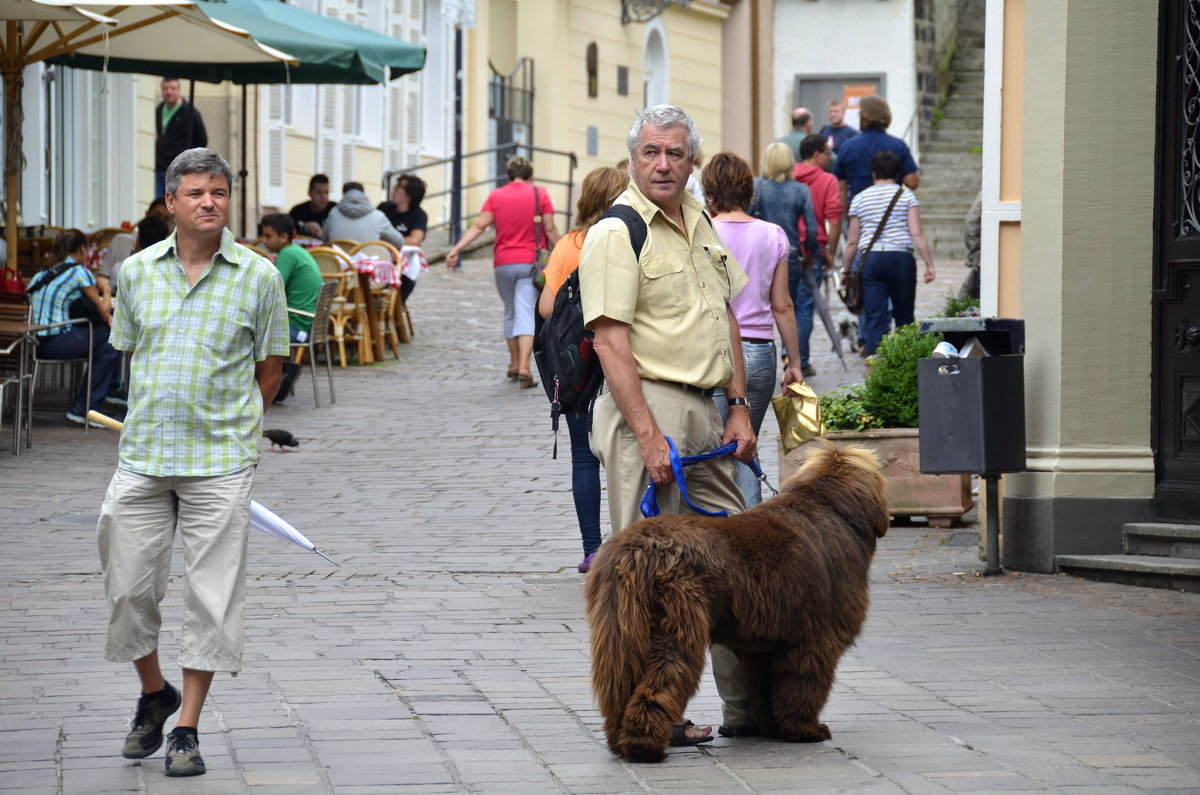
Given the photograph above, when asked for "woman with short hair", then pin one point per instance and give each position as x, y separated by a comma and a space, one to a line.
515, 209
763, 250
889, 272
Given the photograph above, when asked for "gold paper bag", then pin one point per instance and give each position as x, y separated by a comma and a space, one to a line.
799, 413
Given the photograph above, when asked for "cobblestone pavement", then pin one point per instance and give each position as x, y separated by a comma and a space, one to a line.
448, 653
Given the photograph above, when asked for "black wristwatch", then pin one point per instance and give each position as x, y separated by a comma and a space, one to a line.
738, 402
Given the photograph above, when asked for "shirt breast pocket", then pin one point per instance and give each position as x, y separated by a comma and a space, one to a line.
662, 284
226, 334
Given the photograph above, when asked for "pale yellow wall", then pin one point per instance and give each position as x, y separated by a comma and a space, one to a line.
556, 34
740, 42
1012, 101
1009, 243
1087, 259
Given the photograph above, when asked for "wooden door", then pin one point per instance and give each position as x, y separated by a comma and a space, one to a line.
1176, 296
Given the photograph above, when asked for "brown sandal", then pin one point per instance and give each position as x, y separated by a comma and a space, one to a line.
680, 739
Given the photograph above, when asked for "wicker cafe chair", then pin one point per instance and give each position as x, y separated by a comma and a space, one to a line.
348, 314
387, 297
318, 335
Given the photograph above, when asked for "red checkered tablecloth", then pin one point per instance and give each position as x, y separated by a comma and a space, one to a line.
380, 270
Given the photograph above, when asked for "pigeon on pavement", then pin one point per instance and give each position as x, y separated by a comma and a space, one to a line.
281, 438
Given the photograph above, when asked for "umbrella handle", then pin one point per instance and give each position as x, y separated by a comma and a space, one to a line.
105, 420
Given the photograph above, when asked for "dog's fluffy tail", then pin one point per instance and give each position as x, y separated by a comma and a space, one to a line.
649, 630
618, 597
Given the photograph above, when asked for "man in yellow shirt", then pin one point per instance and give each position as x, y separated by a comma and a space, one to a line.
666, 339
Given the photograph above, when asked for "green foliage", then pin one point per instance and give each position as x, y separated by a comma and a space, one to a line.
976, 150
842, 410
959, 306
890, 392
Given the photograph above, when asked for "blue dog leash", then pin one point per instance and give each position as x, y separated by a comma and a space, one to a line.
650, 499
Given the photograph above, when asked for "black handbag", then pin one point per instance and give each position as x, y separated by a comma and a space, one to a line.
851, 290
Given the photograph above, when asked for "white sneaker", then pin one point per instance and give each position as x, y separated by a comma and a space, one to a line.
78, 420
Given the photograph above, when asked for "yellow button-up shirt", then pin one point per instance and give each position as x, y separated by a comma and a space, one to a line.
675, 298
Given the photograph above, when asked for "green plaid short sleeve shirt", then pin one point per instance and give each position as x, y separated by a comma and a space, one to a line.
194, 406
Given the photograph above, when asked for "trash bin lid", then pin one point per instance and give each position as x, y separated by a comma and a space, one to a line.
1000, 336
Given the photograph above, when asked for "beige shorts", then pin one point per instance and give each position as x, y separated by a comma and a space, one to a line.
136, 532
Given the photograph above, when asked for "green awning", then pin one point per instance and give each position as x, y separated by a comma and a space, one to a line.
329, 50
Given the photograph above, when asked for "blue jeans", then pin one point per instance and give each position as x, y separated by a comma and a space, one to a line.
585, 482
802, 300
106, 362
760, 385
887, 275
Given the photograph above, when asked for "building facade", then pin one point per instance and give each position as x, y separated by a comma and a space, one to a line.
1095, 245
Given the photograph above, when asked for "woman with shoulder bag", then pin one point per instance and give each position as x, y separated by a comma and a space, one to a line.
51, 294
887, 215
518, 209
600, 189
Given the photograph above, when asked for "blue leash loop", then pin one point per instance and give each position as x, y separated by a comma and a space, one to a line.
650, 499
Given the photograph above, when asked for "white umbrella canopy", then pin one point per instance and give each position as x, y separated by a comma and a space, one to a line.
158, 32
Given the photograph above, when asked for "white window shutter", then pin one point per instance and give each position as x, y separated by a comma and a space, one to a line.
274, 143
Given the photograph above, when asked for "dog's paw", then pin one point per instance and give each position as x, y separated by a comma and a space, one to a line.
644, 753
808, 736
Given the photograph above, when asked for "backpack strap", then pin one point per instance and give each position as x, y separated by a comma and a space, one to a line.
635, 223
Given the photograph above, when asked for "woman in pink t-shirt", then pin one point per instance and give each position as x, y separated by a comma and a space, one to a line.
761, 248
514, 209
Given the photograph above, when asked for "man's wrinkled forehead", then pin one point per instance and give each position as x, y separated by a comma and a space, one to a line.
671, 138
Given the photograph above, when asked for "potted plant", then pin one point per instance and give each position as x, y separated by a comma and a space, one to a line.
881, 414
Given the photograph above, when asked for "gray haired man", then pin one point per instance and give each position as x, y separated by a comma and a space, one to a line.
206, 322
667, 339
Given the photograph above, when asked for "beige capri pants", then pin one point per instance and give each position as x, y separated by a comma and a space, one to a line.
137, 526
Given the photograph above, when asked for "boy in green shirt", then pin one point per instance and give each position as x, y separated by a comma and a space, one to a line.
301, 274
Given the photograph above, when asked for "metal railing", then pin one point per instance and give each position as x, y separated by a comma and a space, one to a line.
569, 182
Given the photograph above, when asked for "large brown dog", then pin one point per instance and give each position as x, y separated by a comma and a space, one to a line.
784, 585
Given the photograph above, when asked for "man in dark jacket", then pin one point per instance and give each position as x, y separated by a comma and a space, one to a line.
178, 126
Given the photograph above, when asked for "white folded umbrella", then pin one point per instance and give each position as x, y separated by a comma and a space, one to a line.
262, 519
268, 521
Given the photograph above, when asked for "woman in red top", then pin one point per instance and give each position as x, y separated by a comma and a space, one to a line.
514, 209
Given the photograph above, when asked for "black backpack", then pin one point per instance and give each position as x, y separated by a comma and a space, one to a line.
566, 360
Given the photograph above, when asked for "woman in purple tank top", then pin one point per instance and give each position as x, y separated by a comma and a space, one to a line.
763, 305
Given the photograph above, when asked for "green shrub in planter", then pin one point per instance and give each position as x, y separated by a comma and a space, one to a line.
960, 306
890, 392
842, 410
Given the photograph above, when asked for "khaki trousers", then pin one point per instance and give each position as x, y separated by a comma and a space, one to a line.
136, 531
692, 422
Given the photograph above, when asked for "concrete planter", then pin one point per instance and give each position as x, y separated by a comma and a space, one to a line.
941, 498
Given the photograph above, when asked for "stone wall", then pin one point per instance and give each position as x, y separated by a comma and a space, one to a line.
935, 34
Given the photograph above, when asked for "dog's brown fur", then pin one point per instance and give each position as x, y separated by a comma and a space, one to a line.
784, 585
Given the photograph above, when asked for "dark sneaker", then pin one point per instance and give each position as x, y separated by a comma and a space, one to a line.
146, 734
808, 370
183, 754
118, 396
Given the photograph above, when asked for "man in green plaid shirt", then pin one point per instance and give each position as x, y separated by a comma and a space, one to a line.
206, 321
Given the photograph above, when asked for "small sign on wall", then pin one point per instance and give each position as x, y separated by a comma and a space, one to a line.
851, 94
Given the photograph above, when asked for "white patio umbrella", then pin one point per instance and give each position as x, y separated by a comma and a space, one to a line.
262, 519
160, 32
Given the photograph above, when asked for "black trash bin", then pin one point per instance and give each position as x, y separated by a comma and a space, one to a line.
972, 410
